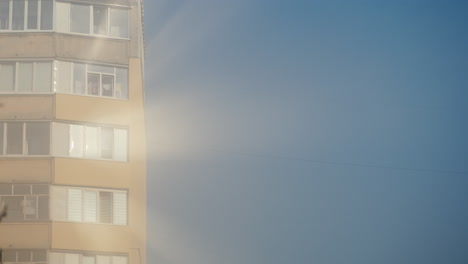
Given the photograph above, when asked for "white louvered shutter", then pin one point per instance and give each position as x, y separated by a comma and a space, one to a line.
90, 206
120, 208
75, 200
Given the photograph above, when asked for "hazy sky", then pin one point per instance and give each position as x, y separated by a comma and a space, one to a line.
303, 132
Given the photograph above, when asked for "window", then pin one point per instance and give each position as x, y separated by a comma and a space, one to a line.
31, 138
89, 205
91, 142
4, 14
7, 76
33, 77
85, 258
119, 23
33, 7
26, 14
79, 18
100, 20
63, 77
93, 19
25, 202
91, 79
23, 256
18, 15
47, 14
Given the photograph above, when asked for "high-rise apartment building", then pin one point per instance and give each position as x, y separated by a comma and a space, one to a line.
72, 137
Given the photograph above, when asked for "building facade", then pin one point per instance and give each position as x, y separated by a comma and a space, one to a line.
72, 135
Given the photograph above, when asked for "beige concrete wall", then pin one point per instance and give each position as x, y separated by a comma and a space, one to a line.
26, 107
69, 46
25, 170
31, 45
24, 235
92, 48
129, 175
93, 109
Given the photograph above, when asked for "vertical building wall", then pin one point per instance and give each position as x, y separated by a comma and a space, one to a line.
80, 173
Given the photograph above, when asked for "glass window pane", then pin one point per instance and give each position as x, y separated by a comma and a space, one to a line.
21, 189
38, 138
56, 258
60, 140
100, 20
14, 138
43, 76
119, 23
72, 258
107, 85
92, 146
62, 16
29, 207
47, 14
79, 18
93, 84
58, 204
18, 15
24, 255
25, 76
2, 125
79, 78
40, 189
43, 211
120, 144
120, 208
119, 260
89, 260
6, 189
105, 207
107, 142
9, 256
90, 206
76, 141
39, 255
103, 260
63, 76
75, 198
121, 83
7, 76
15, 208
32, 13
4, 14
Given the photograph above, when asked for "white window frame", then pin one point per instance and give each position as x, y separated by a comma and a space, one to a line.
91, 20
88, 71
18, 250
30, 194
97, 191
52, 255
3, 152
25, 26
54, 77
16, 77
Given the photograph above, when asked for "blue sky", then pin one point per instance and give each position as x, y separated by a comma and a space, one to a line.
307, 131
